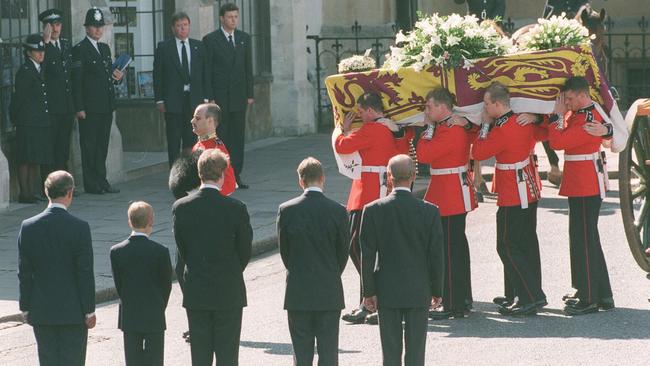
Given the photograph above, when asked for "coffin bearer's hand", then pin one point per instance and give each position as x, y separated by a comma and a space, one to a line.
560, 106
526, 119
347, 122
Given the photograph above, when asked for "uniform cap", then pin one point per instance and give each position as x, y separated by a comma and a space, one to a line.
51, 16
34, 42
94, 17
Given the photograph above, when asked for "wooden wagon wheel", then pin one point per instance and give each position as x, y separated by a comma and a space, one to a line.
634, 175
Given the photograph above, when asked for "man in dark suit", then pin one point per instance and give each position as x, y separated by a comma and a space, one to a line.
142, 272
55, 271
178, 74
402, 264
214, 236
313, 235
94, 101
58, 57
230, 71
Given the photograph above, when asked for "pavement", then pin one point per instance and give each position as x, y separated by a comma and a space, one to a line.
270, 170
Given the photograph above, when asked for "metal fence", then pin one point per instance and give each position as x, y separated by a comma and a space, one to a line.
628, 54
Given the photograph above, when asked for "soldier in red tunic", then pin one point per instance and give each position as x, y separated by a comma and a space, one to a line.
376, 145
580, 132
445, 147
518, 195
204, 126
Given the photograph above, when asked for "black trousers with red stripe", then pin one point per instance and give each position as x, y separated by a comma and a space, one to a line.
355, 247
518, 248
588, 266
458, 289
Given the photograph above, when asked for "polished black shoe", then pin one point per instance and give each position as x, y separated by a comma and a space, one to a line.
242, 185
110, 189
372, 319
357, 316
23, 199
445, 314
186, 336
503, 301
541, 303
519, 309
606, 304
581, 308
570, 298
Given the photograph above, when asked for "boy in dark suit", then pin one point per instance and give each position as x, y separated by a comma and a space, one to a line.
55, 272
313, 235
142, 274
402, 264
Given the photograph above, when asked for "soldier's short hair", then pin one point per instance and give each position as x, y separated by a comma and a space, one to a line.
213, 111
576, 84
58, 184
179, 15
401, 168
371, 100
310, 170
498, 93
226, 8
139, 214
212, 164
441, 96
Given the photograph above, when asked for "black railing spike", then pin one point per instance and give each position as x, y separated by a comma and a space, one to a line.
509, 26
643, 23
609, 23
356, 28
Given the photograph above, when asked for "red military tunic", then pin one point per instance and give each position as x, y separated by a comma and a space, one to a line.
229, 183
579, 178
448, 148
510, 143
376, 145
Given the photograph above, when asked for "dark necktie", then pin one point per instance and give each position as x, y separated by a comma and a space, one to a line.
58, 46
184, 62
230, 40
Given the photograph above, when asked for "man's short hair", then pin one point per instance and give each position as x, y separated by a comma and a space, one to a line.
401, 168
310, 170
58, 184
371, 100
212, 164
226, 8
441, 96
576, 84
139, 214
179, 16
212, 110
498, 93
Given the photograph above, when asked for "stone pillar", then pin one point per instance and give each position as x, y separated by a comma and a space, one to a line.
201, 15
292, 96
4, 181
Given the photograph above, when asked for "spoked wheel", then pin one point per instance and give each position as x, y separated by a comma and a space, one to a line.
634, 175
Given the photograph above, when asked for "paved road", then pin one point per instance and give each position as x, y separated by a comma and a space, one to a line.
612, 338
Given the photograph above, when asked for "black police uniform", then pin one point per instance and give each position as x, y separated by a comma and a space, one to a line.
59, 90
93, 92
29, 110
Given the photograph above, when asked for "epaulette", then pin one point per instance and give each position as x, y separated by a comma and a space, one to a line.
503, 119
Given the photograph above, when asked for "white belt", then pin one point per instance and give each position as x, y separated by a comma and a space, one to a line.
601, 170
381, 170
464, 187
520, 179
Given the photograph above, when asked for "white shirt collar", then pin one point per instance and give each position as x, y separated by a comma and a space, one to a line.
37, 65
57, 205
401, 189
228, 34
212, 186
137, 233
94, 43
313, 189
178, 41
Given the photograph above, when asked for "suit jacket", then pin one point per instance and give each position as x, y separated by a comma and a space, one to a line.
92, 83
57, 77
229, 70
169, 77
313, 235
214, 236
142, 272
29, 103
405, 235
55, 268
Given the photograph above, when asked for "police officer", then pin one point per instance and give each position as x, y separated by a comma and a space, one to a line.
94, 101
29, 113
58, 57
